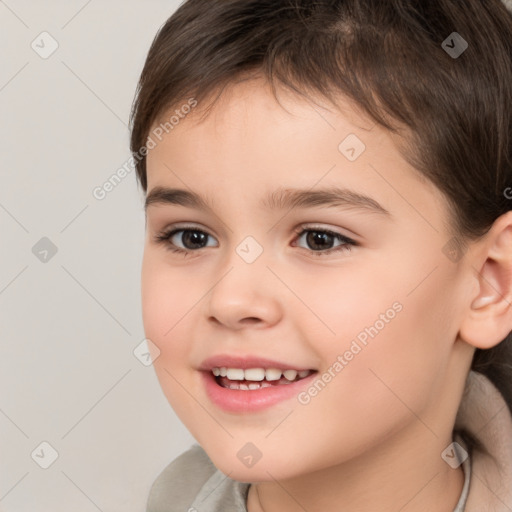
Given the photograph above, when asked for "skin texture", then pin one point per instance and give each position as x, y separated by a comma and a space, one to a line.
372, 438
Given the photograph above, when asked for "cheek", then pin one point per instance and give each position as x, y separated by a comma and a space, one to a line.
381, 388
393, 332
167, 299
405, 331
352, 302
168, 294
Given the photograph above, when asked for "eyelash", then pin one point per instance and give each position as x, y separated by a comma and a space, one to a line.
165, 236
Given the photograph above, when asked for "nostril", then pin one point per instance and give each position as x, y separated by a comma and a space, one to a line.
250, 320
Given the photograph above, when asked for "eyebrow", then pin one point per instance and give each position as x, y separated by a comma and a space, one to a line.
281, 199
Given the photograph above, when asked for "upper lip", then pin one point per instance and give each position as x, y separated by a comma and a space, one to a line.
229, 361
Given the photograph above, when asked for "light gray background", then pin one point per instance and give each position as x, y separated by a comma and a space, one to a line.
69, 325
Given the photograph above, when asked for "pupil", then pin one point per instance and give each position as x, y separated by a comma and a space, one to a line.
314, 236
192, 237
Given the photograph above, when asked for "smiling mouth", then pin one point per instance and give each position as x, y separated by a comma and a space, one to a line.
257, 378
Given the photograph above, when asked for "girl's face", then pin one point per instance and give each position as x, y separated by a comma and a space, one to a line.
372, 309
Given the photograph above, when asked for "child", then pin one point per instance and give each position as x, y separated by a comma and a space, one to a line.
327, 273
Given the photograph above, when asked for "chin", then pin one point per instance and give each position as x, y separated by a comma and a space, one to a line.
264, 470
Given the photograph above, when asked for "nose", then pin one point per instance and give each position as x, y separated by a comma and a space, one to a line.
245, 295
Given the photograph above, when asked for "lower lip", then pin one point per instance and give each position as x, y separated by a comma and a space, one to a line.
239, 400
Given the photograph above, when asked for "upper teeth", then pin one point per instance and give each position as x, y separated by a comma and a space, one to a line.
258, 374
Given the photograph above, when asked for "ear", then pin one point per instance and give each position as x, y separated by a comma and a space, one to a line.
488, 319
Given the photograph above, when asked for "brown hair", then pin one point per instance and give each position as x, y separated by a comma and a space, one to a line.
390, 60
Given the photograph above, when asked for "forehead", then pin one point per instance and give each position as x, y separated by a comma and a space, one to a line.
246, 125
252, 102
252, 142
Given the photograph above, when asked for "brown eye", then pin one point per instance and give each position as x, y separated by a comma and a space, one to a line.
320, 241
184, 240
191, 239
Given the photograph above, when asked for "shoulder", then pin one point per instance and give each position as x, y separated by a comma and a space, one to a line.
178, 484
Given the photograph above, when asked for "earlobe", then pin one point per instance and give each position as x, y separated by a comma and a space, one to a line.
488, 320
